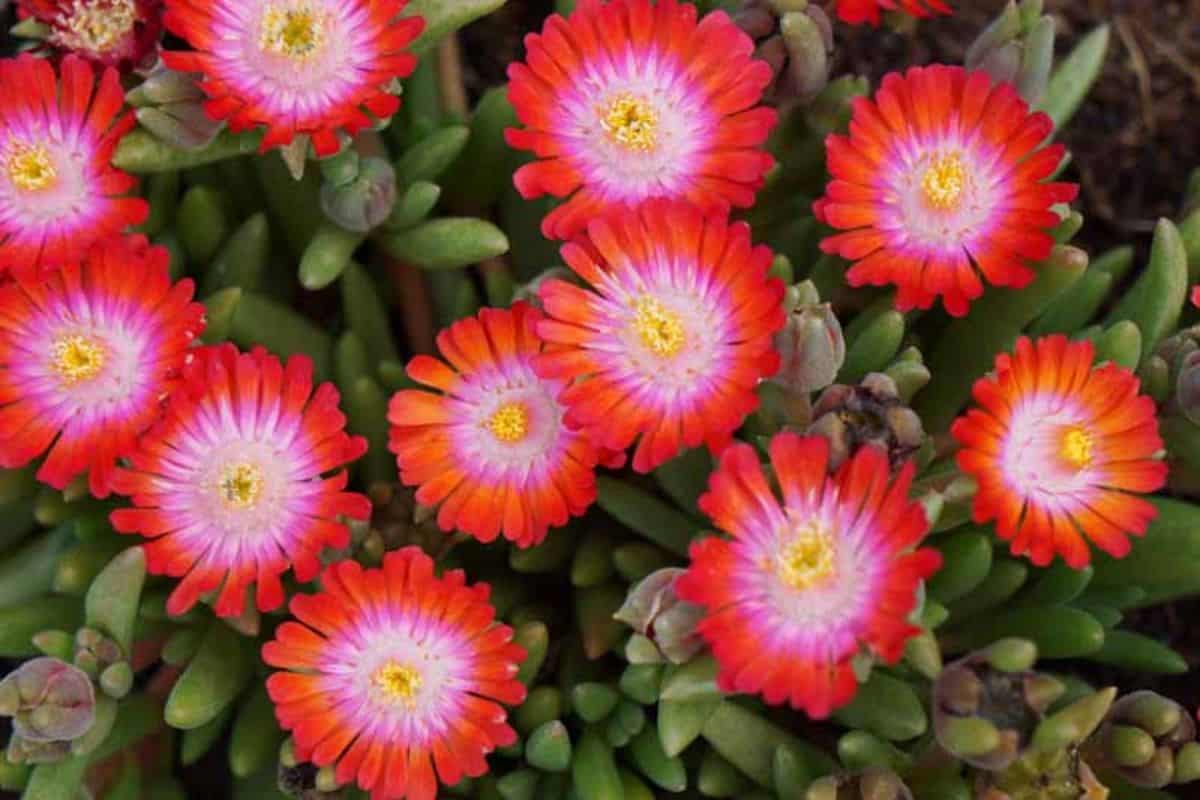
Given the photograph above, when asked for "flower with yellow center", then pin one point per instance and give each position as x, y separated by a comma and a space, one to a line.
659, 328
807, 558
944, 181
30, 168
77, 358
296, 33
97, 26
398, 683
631, 122
510, 423
241, 485
1076, 447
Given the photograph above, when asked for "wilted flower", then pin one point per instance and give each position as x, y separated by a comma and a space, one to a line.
114, 33
869, 413
874, 783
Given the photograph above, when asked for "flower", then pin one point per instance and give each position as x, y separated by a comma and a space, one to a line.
940, 180
390, 673
856, 12
803, 587
1059, 447
296, 67
625, 101
58, 192
115, 33
673, 335
229, 485
490, 445
86, 358
1195, 296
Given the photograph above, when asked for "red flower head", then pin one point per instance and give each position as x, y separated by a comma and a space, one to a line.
1059, 448
86, 358
489, 444
58, 193
804, 586
941, 180
667, 344
296, 67
115, 33
857, 12
629, 100
231, 484
388, 674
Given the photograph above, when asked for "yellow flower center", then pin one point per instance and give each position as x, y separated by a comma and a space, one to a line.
1076, 447
659, 328
30, 167
397, 682
807, 558
296, 32
97, 25
510, 423
631, 122
944, 181
241, 484
77, 358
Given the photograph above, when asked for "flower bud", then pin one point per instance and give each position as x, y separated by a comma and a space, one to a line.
171, 106
874, 783
868, 413
365, 201
49, 700
654, 610
811, 349
1142, 737
95, 652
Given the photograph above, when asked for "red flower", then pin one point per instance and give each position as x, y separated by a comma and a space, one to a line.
1060, 448
941, 180
316, 68
857, 12
115, 33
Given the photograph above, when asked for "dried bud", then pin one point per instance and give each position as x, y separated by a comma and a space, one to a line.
654, 610
873, 783
795, 38
987, 705
1054, 775
869, 413
365, 201
1017, 48
171, 106
49, 701
1146, 739
811, 349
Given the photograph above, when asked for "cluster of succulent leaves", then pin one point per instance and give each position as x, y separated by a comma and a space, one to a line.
622, 703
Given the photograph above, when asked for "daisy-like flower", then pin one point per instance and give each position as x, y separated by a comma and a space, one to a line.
86, 358
315, 68
673, 335
941, 180
489, 445
806, 585
391, 673
58, 192
115, 33
231, 486
856, 12
1060, 448
629, 100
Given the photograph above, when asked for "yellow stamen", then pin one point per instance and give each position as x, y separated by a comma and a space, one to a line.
660, 329
510, 423
295, 32
1076, 447
397, 682
808, 557
30, 167
631, 122
77, 358
96, 25
241, 484
944, 181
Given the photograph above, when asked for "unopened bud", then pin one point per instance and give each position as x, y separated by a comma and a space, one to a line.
654, 610
49, 700
811, 349
364, 202
184, 125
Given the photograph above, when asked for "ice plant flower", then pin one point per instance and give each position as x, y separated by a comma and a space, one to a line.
315, 68
1195, 296
1060, 448
86, 358
672, 336
489, 445
58, 192
115, 33
230, 486
806, 585
628, 100
856, 12
391, 673
941, 180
